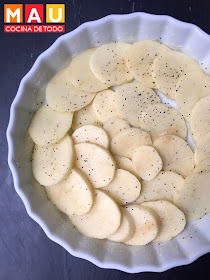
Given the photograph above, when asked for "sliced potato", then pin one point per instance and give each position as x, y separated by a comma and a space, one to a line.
126, 164
108, 64
80, 74
73, 196
147, 224
202, 149
160, 119
91, 134
168, 67
132, 99
176, 154
49, 126
147, 162
96, 163
126, 229
103, 106
124, 188
115, 125
140, 57
203, 166
84, 116
51, 164
102, 220
125, 142
162, 187
193, 198
172, 219
200, 118
190, 88
62, 96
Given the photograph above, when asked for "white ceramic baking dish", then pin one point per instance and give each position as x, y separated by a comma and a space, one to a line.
184, 249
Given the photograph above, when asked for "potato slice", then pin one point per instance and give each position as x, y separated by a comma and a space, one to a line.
140, 57
49, 126
124, 188
193, 198
85, 116
147, 162
147, 224
168, 67
62, 96
131, 99
200, 118
126, 164
160, 119
203, 166
176, 154
72, 196
102, 220
91, 134
126, 229
202, 149
80, 74
103, 106
51, 164
125, 142
162, 187
108, 64
115, 125
190, 88
96, 163
172, 219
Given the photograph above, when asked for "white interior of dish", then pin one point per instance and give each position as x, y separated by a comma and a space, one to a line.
185, 248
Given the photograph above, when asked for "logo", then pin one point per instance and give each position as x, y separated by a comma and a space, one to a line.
34, 17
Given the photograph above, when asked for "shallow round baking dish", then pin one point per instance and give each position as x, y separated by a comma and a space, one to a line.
185, 248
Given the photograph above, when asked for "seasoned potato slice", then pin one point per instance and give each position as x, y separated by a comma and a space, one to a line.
51, 164
132, 99
126, 164
49, 126
125, 142
73, 195
115, 125
203, 166
102, 220
202, 149
172, 219
96, 163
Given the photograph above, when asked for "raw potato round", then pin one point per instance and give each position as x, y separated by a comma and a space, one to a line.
189, 90
176, 154
80, 74
203, 166
146, 222
108, 63
51, 164
103, 106
96, 163
147, 162
140, 57
200, 118
160, 119
168, 67
115, 125
102, 220
202, 149
193, 198
124, 188
172, 219
132, 99
126, 229
72, 196
91, 134
126, 164
49, 126
162, 187
85, 116
127, 141
62, 96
